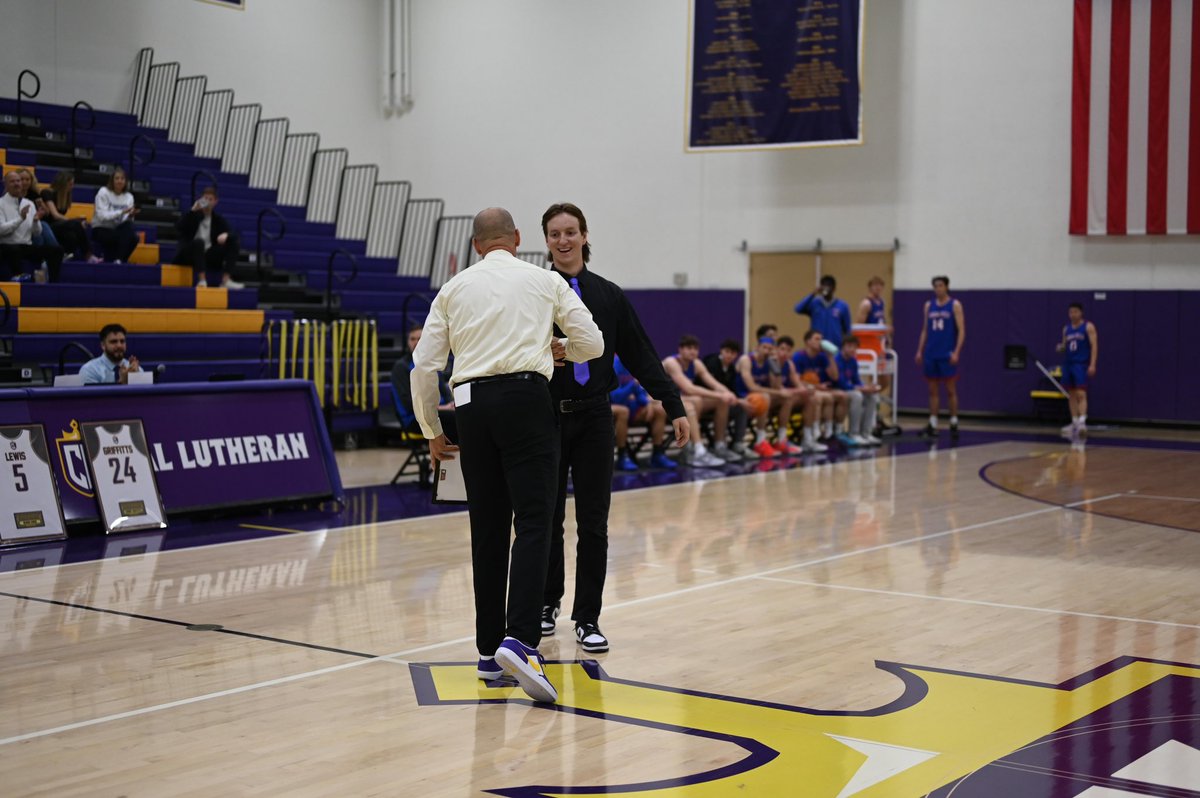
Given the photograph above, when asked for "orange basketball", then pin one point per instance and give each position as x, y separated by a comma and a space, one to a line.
759, 404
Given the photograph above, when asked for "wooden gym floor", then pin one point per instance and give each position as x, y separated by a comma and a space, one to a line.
1007, 619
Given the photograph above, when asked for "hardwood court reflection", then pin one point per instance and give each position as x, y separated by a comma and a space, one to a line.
1153, 486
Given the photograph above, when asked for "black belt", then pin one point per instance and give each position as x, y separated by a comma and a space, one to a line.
575, 405
516, 375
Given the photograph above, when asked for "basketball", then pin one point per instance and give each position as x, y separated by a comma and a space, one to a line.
759, 404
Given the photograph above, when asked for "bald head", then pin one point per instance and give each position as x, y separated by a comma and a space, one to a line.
495, 229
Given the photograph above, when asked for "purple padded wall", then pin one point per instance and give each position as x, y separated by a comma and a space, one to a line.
1144, 371
711, 315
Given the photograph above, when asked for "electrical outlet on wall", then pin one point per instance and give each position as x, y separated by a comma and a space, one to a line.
681, 279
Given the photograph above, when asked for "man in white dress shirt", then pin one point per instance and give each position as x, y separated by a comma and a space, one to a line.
498, 317
20, 223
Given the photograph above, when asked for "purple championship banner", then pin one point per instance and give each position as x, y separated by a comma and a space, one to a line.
773, 74
211, 444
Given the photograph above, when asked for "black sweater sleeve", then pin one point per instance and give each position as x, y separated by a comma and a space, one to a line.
638, 355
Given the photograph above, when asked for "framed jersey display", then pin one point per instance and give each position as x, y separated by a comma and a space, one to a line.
28, 492
126, 489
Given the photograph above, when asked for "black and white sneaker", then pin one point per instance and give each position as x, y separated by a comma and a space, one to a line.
591, 638
549, 613
930, 431
953, 432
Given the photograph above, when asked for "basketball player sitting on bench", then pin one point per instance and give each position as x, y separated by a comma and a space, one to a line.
695, 382
631, 403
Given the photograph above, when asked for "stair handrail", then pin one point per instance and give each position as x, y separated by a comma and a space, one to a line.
264, 233
212, 181
135, 159
22, 94
62, 354
427, 298
329, 277
75, 128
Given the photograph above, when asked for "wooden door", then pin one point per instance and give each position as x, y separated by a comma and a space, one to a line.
778, 280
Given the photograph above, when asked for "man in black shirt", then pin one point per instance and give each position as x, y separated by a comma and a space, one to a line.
206, 241
723, 366
581, 394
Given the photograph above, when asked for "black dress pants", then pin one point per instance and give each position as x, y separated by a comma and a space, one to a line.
586, 451
13, 255
508, 439
219, 258
72, 237
117, 243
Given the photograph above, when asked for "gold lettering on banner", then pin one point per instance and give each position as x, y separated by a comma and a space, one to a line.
731, 86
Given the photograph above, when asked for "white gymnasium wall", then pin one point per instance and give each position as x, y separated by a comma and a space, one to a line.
315, 62
527, 102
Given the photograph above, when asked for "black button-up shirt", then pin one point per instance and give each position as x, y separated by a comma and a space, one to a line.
623, 336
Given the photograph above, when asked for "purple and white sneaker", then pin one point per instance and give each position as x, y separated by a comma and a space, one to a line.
526, 665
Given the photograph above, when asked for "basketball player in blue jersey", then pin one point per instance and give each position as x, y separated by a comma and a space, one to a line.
708, 396
873, 310
1079, 347
754, 376
942, 336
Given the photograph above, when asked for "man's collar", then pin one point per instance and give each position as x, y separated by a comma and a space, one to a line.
568, 277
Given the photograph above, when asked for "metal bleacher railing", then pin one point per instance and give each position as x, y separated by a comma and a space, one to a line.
373, 219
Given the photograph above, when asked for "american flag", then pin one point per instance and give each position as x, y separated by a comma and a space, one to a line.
1135, 118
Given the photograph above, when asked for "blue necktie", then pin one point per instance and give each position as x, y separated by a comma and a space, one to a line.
581, 369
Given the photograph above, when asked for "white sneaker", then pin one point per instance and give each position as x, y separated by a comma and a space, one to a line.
872, 440
858, 440
233, 284
726, 454
701, 456
744, 452
813, 447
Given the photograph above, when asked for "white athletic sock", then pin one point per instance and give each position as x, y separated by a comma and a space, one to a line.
933, 421
815, 431
783, 435
954, 420
759, 436
828, 429
1083, 419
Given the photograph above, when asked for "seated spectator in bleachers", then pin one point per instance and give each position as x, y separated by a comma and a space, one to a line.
402, 391
111, 367
812, 403
631, 403
864, 399
206, 241
722, 365
695, 382
818, 369
32, 192
20, 224
71, 233
756, 377
112, 221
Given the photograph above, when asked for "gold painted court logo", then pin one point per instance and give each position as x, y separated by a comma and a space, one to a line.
1131, 727
72, 458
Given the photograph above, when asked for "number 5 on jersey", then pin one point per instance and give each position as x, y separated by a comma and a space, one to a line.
29, 504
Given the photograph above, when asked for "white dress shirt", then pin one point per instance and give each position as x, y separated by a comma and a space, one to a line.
14, 229
110, 207
101, 370
497, 317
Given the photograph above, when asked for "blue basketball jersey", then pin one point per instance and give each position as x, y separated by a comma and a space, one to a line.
690, 371
875, 315
1078, 345
761, 373
941, 329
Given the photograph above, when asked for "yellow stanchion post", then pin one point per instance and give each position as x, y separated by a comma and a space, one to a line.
336, 365
374, 365
366, 358
283, 325
270, 345
319, 364
295, 346
307, 347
